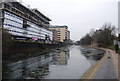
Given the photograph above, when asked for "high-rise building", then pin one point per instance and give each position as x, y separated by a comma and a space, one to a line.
62, 33
55, 32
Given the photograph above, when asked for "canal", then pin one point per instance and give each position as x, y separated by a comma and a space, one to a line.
60, 63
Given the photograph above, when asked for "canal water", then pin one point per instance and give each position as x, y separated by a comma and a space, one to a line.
61, 63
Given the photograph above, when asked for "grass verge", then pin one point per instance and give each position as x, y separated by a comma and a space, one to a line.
113, 48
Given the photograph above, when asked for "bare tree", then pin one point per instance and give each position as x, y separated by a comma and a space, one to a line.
103, 37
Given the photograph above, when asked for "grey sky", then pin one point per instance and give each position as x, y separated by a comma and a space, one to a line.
79, 15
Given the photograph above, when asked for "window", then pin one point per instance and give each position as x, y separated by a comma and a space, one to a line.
25, 24
7, 6
0, 5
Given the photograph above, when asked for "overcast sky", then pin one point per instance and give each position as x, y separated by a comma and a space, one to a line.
79, 15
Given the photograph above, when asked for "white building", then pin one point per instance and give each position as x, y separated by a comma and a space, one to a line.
24, 23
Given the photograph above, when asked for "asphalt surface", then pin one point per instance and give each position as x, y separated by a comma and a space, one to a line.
106, 70
119, 67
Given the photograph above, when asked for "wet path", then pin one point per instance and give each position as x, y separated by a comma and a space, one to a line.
106, 70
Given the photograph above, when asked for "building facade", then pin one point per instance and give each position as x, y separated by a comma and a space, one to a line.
55, 38
24, 23
68, 35
62, 33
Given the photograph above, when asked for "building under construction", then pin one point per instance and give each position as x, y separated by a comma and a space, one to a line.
24, 23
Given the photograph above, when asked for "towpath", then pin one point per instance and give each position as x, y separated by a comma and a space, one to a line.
106, 68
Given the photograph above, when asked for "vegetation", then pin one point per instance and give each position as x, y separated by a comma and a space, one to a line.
102, 37
113, 48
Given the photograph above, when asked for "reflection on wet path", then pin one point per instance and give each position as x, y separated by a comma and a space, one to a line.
63, 63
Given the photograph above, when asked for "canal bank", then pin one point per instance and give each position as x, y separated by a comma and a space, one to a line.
93, 53
25, 48
63, 63
106, 68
